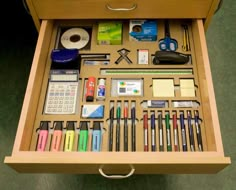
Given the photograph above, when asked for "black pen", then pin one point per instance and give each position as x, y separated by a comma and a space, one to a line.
183, 133
126, 145
118, 129
133, 129
160, 127
190, 129
198, 130
111, 128
153, 127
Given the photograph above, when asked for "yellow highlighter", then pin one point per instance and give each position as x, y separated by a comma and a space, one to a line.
70, 135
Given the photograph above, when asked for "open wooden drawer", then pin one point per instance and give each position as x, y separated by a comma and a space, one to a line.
121, 164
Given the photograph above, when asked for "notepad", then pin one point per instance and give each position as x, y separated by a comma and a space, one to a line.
163, 88
187, 88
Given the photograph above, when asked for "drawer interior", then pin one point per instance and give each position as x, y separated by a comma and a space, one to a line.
194, 73
151, 81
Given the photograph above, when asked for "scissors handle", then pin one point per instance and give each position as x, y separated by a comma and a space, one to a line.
168, 44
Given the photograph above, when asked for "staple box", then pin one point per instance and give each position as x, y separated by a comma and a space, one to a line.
109, 33
143, 30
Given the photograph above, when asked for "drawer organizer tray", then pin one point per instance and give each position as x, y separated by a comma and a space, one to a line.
165, 84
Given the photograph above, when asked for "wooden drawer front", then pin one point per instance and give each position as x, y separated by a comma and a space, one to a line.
24, 158
75, 9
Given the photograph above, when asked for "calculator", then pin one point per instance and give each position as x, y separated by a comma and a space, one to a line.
62, 92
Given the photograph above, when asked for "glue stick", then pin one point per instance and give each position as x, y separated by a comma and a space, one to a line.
90, 85
101, 90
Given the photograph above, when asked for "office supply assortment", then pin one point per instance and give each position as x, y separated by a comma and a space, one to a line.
121, 100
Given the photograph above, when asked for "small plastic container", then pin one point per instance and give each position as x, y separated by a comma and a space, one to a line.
101, 89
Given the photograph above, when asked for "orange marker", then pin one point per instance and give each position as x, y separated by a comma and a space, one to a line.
56, 139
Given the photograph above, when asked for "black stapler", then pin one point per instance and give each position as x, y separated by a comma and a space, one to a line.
170, 57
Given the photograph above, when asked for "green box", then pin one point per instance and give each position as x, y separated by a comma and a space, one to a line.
109, 33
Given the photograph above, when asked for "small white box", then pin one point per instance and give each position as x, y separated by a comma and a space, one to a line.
143, 56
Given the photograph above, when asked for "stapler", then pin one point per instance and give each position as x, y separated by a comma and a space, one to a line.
170, 57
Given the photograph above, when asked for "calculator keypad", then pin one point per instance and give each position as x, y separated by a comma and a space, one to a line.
61, 98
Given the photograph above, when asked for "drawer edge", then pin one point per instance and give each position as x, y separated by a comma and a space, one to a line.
167, 166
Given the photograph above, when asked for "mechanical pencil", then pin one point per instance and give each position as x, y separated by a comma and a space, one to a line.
133, 129
70, 135
153, 129
145, 126
183, 132
198, 130
96, 137
126, 144
160, 127
118, 129
168, 133
57, 135
190, 129
111, 129
83, 137
43, 136
175, 127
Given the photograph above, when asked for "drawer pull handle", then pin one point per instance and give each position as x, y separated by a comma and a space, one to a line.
116, 176
121, 9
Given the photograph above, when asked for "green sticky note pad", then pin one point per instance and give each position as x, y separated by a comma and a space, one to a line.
109, 33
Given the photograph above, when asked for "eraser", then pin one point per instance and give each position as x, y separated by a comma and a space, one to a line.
156, 103
93, 111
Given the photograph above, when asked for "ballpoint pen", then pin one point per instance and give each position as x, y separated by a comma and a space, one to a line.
190, 129
198, 130
111, 129
70, 134
183, 133
153, 129
126, 145
175, 126
83, 137
96, 137
133, 129
160, 127
167, 121
43, 136
118, 129
145, 126
57, 135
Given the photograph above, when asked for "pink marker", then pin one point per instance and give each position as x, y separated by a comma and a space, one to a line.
43, 136
57, 135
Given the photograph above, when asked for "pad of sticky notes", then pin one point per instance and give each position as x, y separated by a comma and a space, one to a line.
163, 88
187, 88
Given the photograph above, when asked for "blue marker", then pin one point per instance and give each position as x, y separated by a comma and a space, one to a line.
153, 129
97, 136
183, 132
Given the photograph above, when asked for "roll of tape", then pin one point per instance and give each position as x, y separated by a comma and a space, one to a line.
76, 38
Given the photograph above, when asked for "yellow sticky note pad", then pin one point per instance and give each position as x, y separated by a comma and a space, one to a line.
163, 88
187, 88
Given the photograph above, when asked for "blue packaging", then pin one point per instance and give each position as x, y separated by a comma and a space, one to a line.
143, 30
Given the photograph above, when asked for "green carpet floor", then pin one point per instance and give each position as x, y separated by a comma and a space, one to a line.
17, 47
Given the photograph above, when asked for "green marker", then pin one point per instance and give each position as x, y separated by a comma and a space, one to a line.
118, 129
167, 119
83, 137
